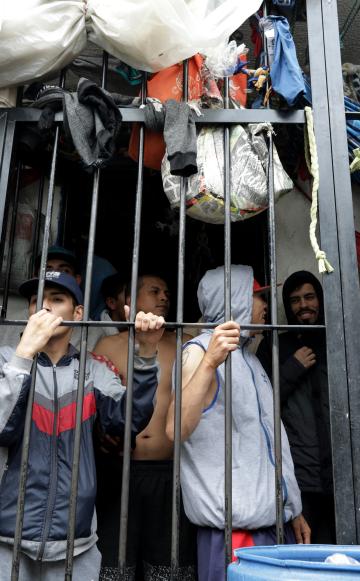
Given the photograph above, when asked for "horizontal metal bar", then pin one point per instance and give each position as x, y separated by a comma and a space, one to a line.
352, 114
231, 116
174, 325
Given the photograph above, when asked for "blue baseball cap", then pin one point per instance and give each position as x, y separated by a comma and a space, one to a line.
61, 253
61, 279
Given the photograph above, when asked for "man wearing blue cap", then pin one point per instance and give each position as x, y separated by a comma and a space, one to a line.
43, 545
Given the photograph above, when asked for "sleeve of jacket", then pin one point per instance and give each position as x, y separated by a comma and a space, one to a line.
110, 397
14, 389
291, 370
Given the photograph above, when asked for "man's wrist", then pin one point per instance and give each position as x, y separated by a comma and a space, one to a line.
24, 353
145, 350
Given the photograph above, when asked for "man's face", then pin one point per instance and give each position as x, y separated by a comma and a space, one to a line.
153, 296
59, 302
61, 265
259, 311
304, 304
116, 306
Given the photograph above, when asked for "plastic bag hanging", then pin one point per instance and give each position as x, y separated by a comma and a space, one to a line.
38, 37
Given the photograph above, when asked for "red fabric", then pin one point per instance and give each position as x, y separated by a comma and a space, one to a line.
168, 84
44, 419
241, 539
357, 236
107, 361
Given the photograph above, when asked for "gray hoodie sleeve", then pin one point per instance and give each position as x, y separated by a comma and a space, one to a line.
111, 397
14, 389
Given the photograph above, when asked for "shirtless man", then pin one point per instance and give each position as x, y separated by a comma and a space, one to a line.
149, 533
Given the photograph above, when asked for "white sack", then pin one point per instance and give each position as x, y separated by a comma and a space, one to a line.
151, 35
38, 37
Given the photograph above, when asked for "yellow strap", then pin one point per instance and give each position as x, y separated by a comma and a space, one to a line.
355, 164
313, 165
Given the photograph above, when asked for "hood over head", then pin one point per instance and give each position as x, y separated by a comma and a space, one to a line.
293, 282
211, 295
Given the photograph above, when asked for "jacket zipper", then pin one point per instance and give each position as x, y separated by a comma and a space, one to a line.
267, 436
53, 472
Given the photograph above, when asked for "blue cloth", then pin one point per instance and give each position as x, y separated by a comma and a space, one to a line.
102, 268
285, 72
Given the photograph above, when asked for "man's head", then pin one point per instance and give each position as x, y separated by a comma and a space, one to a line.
152, 295
60, 259
303, 299
113, 292
62, 297
248, 304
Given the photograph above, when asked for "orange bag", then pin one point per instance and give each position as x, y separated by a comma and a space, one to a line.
168, 84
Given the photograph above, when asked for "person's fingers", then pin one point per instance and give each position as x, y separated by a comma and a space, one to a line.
230, 332
152, 324
54, 324
144, 324
38, 314
297, 532
127, 312
229, 325
160, 321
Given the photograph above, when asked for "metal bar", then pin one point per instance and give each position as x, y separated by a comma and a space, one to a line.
227, 314
178, 363
231, 116
346, 238
11, 243
7, 136
28, 417
333, 302
171, 325
131, 350
275, 351
81, 384
36, 237
69, 561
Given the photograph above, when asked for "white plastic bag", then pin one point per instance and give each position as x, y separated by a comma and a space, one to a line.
38, 37
154, 34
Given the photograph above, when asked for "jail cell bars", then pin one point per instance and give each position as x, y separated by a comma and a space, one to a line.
342, 370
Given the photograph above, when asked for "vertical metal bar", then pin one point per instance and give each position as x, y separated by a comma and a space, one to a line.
175, 522
36, 237
69, 562
28, 418
345, 220
227, 294
131, 351
7, 136
11, 242
81, 383
275, 351
333, 301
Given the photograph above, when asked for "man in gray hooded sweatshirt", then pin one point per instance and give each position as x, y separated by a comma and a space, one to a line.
202, 430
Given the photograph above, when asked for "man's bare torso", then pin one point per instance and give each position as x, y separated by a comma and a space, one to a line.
152, 443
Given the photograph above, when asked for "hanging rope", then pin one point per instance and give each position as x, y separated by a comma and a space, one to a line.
355, 164
313, 166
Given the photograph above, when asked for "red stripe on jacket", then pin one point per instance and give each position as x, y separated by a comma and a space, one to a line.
44, 419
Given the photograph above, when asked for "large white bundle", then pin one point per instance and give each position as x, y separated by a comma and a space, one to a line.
38, 37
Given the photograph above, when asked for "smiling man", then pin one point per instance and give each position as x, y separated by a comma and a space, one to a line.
305, 400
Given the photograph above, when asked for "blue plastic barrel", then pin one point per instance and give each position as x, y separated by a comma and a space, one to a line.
293, 563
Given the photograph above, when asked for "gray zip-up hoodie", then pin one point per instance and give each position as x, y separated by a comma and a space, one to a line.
202, 459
